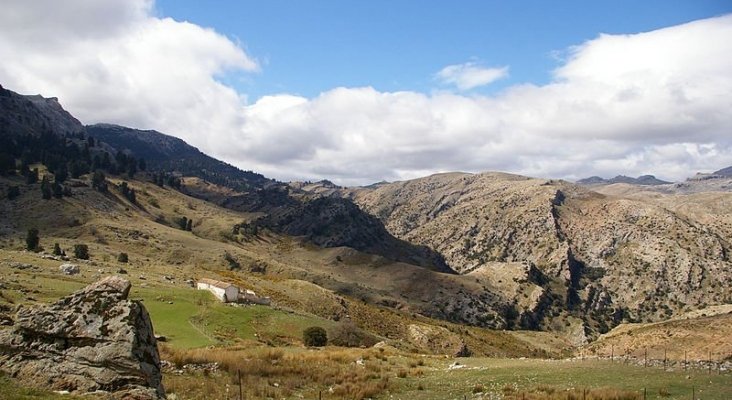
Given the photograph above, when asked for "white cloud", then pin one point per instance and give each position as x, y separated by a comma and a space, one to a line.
655, 102
470, 75
114, 61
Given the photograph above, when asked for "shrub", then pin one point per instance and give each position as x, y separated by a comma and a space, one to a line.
81, 251
57, 250
13, 192
233, 263
315, 336
348, 334
32, 239
123, 258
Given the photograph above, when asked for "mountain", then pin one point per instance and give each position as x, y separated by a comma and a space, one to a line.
576, 253
167, 153
35, 115
727, 172
648, 180
491, 249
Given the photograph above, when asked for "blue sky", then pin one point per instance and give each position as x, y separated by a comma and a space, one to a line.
307, 47
363, 91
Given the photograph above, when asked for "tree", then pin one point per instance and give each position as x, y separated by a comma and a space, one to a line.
189, 225
123, 258
13, 192
57, 250
99, 181
32, 176
32, 240
81, 251
58, 190
183, 223
142, 165
315, 336
131, 168
60, 174
46, 191
7, 164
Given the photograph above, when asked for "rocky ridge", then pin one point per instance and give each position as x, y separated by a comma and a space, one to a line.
562, 249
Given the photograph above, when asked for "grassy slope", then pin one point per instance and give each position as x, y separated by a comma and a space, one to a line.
111, 225
696, 335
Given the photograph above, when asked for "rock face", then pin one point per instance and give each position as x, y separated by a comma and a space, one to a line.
92, 340
562, 252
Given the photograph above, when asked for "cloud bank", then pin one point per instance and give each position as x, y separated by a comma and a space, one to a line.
655, 102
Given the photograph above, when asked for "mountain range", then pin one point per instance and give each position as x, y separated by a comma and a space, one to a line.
492, 249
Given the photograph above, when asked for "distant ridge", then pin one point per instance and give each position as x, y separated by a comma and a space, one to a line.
648, 180
724, 171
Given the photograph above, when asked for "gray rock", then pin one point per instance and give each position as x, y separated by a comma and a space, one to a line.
92, 340
20, 266
69, 269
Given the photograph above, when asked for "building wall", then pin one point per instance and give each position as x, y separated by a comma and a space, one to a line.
218, 292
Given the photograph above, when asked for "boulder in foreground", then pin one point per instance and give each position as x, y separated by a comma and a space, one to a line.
92, 340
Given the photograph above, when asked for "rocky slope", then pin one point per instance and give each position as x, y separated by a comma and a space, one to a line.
602, 259
93, 340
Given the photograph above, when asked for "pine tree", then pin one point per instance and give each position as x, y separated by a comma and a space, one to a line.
32, 176
99, 181
32, 240
46, 191
13, 192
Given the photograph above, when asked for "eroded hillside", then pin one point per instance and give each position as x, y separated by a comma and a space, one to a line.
600, 258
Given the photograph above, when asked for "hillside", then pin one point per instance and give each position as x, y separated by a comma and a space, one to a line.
602, 259
167, 153
491, 250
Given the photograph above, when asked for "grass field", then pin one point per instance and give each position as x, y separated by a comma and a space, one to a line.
191, 318
335, 373
496, 377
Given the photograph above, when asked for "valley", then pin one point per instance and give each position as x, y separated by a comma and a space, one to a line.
451, 285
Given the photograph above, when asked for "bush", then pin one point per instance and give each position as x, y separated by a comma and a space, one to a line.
13, 192
32, 239
57, 250
233, 263
315, 336
348, 334
123, 258
81, 251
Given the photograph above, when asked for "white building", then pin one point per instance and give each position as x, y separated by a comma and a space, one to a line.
223, 291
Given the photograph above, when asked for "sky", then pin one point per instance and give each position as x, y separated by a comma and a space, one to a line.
364, 91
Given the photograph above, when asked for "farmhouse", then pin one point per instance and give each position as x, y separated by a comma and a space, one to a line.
223, 291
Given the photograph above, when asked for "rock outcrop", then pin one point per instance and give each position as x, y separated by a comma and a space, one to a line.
94, 340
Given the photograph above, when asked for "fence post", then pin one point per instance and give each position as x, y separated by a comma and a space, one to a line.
692, 393
710, 363
645, 357
684, 360
320, 395
612, 353
644, 393
241, 394
664, 358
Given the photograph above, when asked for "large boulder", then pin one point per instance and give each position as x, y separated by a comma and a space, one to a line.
93, 340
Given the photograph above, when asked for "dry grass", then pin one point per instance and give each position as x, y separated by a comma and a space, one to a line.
275, 373
545, 392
